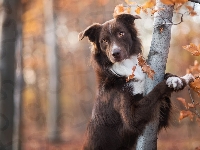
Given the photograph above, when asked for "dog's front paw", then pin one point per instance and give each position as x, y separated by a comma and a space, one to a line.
175, 83
188, 78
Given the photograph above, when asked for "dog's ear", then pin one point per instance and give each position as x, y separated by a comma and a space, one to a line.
127, 18
91, 32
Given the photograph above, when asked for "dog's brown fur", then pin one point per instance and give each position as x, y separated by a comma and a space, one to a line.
119, 116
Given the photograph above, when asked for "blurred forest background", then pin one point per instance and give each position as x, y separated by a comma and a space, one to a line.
48, 71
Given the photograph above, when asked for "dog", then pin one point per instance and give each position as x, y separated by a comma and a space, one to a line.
121, 111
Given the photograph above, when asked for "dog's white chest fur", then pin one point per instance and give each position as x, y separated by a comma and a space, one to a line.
124, 68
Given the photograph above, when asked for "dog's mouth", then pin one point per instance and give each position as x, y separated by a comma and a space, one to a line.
118, 58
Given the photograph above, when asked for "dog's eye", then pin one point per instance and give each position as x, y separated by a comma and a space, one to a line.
121, 34
104, 41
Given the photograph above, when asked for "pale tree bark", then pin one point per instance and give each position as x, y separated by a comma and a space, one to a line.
52, 61
195, 1
17, 133
157, 59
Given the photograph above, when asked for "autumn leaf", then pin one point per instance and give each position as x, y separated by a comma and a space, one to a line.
145, 68
172, 2
168, 2
186, 113
193, 49
120, 9
141, 60
191, 105
129, 2
132, 75
149, 4
194, 70
182, 100
180, 1
138, 9
195, 85
191, 10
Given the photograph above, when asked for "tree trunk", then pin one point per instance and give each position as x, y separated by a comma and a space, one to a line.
9, 37
157, 59
52, 61
18, 86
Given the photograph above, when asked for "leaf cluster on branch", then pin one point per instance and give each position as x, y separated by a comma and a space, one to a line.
191, 109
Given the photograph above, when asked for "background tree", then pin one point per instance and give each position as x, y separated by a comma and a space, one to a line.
9, 40
53, 68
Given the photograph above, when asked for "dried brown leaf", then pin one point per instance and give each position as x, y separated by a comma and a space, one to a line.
132, 75
195, 85
145, 68
193, 49
186, 113
191, 10
182, 100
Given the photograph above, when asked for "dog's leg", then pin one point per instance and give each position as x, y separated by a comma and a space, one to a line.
135, 116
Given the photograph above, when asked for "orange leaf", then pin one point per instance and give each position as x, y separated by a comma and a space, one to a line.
172, 2
191, 105
129, 2
186, 113
182, 100
138, 9
141, 60
191, 10
153, 11
120, 9
180, 1
194, 70
132, 75
195, 85
145, 68
168, 2
149, 4
193, 49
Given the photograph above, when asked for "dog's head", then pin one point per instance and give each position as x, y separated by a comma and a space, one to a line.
116, 38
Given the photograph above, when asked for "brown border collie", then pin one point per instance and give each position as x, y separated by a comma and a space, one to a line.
121, 111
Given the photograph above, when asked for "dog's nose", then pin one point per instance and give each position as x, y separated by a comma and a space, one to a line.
116, 52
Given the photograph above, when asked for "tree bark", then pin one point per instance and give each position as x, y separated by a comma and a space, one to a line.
157, 59
195, 1
18, 86
9, 36
52, 61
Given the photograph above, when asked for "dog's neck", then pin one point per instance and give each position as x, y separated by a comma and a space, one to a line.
124, 68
